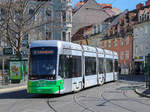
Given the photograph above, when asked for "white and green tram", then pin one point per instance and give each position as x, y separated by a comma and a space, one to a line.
57, 67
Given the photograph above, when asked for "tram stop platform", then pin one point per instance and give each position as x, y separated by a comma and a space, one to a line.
143, 92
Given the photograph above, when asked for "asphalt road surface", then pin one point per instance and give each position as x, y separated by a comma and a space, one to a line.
111, 97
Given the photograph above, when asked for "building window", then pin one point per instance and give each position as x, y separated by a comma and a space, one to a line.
122, 42
64, 16
64, 36
105, 43
94, 29
127, 55
69, 15
109, 45
127, 41
99, 28
31, 13
48, 35
25, 40
121, 55
69, 36
115, 43
69, 1
63, 0
48, 13
3, 12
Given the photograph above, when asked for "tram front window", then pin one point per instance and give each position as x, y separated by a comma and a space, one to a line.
43, 63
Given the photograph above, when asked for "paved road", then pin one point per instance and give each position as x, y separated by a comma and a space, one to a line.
112, 97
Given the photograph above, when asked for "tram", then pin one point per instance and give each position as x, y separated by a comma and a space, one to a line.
58, 67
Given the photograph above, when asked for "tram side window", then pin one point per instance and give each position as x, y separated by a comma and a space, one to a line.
116, 65
109, 65
90, 66
70, 66
101, 65
62, 66
74, 66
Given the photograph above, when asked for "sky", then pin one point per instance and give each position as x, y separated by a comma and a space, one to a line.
121, 4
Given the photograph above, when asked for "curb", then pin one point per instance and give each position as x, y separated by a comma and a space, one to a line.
7, 90
141, 94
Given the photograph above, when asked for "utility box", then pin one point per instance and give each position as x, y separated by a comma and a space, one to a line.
147, 71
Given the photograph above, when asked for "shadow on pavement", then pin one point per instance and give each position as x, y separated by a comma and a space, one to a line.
24, 95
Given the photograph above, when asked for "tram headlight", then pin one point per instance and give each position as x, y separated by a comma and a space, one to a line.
51, 78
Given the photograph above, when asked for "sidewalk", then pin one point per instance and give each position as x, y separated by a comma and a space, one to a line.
143, 91
11, 87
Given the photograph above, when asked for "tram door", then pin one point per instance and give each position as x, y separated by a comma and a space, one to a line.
116, 69
75, 72
70, 68
63, 72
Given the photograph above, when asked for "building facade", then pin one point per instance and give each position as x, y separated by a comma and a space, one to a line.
59, 15
119, 38
89, 35
123, 46
141, 37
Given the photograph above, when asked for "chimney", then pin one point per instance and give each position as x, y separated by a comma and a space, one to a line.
147, 2
140, 5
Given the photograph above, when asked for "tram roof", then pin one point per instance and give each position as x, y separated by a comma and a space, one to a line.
100, 51
43, 43
68, 45
89, 48
115, 53
108, 52
55, 43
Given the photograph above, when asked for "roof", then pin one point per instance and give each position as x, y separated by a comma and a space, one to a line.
108, 7
90, 13
79, 35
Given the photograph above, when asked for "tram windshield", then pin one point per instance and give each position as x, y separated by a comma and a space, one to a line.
43, 61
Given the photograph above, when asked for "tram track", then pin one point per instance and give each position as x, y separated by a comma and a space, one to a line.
107, 100
78, 102
97, 98
135, 100
126, 97
51, 106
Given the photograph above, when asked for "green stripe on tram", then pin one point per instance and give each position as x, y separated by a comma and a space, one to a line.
45, 86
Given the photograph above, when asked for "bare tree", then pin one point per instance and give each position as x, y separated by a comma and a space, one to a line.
18, 19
